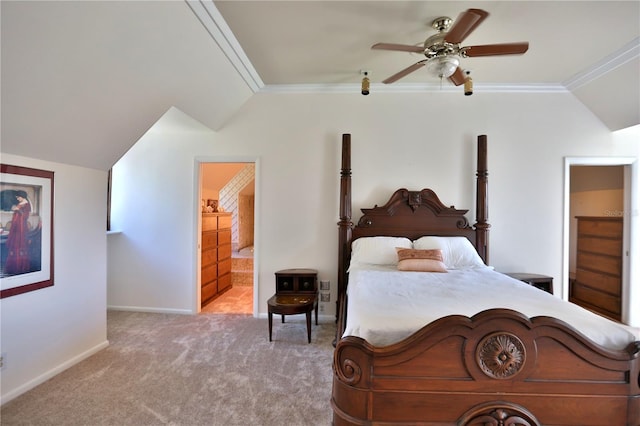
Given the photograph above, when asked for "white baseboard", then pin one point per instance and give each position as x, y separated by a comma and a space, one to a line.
53, 372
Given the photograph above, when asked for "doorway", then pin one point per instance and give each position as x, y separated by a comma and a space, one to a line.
226, 237
598, 187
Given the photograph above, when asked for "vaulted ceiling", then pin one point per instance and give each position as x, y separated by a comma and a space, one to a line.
82, 81
591, 48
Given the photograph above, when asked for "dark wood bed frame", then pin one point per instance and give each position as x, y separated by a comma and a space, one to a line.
498, 367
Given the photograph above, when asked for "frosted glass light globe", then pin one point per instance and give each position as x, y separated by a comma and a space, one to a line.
443, 66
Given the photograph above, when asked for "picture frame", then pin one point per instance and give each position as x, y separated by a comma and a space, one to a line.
213, 204
26, 230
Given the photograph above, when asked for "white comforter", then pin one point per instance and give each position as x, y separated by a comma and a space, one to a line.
386, 305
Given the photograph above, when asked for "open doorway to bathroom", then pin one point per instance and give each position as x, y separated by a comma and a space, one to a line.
227, 192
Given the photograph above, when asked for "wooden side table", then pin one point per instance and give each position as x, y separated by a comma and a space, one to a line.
543, 282
286, 304
296, 293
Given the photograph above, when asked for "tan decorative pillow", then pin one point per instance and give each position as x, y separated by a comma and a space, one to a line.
420, 260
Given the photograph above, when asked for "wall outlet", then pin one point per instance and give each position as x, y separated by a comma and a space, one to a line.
325, 285
325, 297
3, 357
321, 308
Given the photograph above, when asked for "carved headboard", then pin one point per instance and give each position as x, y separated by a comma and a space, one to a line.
413, 214
410, 214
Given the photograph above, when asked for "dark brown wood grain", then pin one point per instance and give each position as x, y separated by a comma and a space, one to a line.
498, 367
598, 283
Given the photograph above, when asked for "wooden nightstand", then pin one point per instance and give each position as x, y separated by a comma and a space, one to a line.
297, 281
296, 293
543, 282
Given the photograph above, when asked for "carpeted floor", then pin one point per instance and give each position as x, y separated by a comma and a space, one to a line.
209, 369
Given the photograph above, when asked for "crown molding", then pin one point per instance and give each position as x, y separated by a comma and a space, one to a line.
412, 88
214, 23
626, 53
216, 26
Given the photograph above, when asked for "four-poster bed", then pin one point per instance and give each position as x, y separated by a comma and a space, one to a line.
484, 362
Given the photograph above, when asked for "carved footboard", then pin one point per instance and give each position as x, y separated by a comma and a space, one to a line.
496, 368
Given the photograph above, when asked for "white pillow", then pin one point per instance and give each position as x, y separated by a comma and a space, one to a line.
377, 250
457, 252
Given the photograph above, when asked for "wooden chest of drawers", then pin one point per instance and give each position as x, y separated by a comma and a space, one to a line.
598, 283
215, 273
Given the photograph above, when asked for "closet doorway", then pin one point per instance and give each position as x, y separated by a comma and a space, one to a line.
226, 237
598, 196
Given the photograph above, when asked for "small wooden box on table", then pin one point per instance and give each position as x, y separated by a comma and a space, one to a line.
296, 293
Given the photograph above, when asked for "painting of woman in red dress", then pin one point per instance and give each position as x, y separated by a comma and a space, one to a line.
18, 259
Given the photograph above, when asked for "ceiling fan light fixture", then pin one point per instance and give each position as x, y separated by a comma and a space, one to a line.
443, 66
468, 84
364, 89
443, 51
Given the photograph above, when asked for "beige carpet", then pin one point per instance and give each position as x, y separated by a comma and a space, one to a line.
209, 369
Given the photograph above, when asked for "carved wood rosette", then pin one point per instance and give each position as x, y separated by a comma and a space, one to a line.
506, 355
501, 355
499, 413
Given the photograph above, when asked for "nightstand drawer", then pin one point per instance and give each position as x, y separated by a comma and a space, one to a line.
209, 273
209, 256
542, 282
307, 283
208, 291
224, 267
224, 222
284, 283
224, 251
209, 239
297, 281
224, 282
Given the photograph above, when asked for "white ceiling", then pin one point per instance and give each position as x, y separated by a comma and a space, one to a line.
313, 42
83, 80
591, 48
574, 45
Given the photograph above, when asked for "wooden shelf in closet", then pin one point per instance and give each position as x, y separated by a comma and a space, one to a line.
215, 275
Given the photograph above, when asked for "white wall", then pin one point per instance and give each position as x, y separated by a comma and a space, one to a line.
46, 331
627, 142
152, 258
398, 140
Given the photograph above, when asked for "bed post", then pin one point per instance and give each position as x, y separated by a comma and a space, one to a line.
344, 232
482, 202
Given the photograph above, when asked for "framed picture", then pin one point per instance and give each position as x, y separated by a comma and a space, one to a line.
212, 206
26, 229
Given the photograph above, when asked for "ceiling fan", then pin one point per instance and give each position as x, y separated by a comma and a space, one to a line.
443, 51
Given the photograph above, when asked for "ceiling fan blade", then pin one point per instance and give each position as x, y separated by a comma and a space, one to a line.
496, 49
465, 24
398, 47
404, 72
457, 77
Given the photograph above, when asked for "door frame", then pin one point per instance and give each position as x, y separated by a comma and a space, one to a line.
197, 228
630, 273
